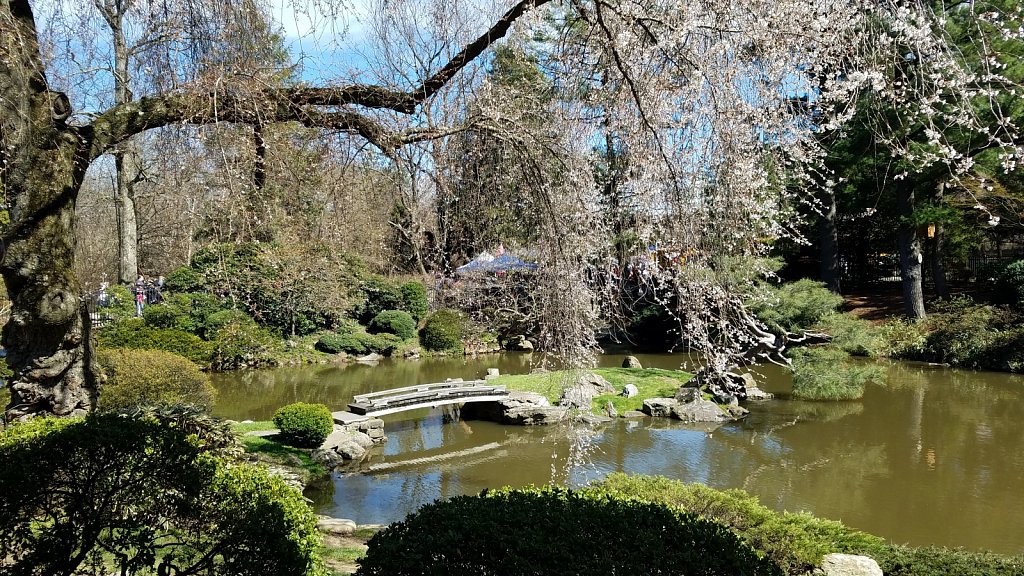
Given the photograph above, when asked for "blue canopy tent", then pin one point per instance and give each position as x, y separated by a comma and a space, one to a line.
504, 263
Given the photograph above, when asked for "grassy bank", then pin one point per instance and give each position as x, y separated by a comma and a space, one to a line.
650, 383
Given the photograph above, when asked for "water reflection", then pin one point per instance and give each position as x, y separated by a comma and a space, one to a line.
934, 457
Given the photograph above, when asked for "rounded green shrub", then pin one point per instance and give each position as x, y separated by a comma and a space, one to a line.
152, 377
357, 343
381, 295
443, 330
222, 318
164, 316
414, 299
184, 279
557, 531
1009, 288
304, 425
397, 322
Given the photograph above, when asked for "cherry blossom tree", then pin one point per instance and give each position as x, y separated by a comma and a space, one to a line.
698, 95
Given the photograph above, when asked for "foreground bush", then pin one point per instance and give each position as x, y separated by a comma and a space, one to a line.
152, 377
1009, 286
443, 331
934, 561
114, 493
826, 373
556, 531
795, 542
304, 425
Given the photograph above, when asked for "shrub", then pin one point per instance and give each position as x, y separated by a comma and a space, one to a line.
961, 333
126, 494
902, 338
934, 561
357, 343
241, 342
414, 299
443, 330
184, 279
133, 333
120, 303
556, 531
851, 334
397, 322
796, 306
795, 542
1009, 286
381, 295
152, 377
222, 318
304, 425
166, 316
825, 373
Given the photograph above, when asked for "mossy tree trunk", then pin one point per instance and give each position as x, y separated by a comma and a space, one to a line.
47, 343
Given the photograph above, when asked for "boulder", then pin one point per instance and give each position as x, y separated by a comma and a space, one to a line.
630, 390
372, 358
599, 384
327, 457
592, 419
519, 344
610, 410
848, 565
492, 373
522, 408
700, 411
335, 526
633, 414
686, 394
631, 362
411, 353
659, 406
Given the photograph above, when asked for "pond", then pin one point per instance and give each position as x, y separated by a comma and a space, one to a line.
935, 456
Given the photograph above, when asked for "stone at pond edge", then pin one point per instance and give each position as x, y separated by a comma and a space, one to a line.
581, 394
336, 526
631, 362
610, 410
630, 390
522, 408
848, 565
519, 344
661, 407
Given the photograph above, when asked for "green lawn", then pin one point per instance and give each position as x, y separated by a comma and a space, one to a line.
651, 383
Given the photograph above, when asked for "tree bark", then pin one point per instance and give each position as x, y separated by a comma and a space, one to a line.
911, 257
938, 252
126, 164
828, 243
47, 342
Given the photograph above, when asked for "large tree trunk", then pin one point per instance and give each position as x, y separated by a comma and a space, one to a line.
938, 249
126, 162
911, 257
828, 243
47, 342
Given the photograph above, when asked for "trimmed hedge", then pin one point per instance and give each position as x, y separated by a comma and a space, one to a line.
357, 343
134, 333
557, 531
795, 542
152, 377
304, 425
397, 322
443, 330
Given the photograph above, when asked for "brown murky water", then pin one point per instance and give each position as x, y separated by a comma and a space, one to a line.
934, 457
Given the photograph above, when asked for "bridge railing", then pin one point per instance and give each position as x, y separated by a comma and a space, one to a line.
421, 394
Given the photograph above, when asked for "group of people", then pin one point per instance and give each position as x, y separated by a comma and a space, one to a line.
146, 291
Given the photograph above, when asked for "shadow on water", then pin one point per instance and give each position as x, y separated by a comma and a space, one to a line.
933, 457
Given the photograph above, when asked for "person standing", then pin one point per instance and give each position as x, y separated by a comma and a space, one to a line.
140, 295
